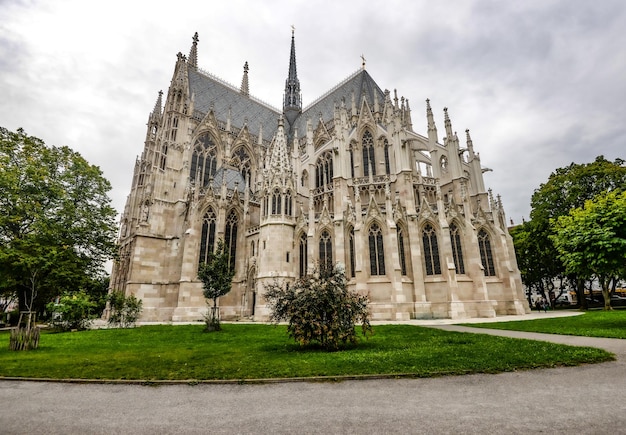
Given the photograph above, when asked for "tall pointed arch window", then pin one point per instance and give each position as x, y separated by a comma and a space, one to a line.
230, 238
203, 160
351, 259
303, 255
207, 237
326, 250
401, 249
163, 157
387, 163
324, 170
288, 203
457, 252
276, 202
431, 251
368, 154
486, 256
377, 254
351, 162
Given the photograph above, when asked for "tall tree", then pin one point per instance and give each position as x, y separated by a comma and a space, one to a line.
57, 225
567, 188
591, 241
216, 276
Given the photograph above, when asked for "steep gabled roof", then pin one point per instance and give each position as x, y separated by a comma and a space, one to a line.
360, 83
209, 91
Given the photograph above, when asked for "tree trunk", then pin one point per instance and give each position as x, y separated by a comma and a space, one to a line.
606, 292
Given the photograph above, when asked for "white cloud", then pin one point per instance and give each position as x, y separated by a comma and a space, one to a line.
539, 83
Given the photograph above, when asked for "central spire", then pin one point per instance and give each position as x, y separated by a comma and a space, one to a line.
292, 104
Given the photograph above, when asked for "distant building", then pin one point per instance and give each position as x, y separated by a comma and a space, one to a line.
344, 180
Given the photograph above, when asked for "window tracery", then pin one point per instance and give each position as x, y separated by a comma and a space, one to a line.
203, 160
486, 255
431, 251
207, 238
377, 255
457, 252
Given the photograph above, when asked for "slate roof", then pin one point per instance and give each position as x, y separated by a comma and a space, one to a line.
361, 83
210, 91
231, 177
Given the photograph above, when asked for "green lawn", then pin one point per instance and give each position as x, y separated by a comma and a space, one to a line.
264, 351
611, 324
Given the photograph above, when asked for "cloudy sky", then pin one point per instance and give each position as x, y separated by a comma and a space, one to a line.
539, 83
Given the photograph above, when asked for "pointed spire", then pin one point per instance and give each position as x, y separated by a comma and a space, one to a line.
407, 119
158, 105
193, 53
277, 161
431, 119
448, 124
245, 89
470, 144
292, 105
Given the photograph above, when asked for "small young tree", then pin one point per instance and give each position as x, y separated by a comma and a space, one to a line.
319, 308
216, 276
124, 310
72, 311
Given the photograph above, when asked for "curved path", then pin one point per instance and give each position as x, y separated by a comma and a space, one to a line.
587, 399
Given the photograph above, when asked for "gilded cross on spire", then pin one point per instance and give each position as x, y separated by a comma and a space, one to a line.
363, 61
293, 29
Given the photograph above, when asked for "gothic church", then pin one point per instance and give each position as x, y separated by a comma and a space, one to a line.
345, 180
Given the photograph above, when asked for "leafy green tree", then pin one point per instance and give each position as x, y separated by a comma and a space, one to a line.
567, 188
73, 311
124, 310
57, 225
320, 309
217, 277
591, 241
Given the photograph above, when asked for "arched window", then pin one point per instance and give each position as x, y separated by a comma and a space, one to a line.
324, 170
203, 160
288, 204
457, 252
163, 157
303, 255
351, 162
368, 154
486, 256
231, 238
241, 160
401, 249
207, 238
351, 260
276, 202
326, 250
431, 251
377, 254
387, 164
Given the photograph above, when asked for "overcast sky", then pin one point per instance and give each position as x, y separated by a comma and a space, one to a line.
540, 84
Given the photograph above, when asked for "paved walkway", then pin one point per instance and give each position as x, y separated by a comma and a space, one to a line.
587, 399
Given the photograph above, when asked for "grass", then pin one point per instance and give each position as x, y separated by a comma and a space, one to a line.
265, 351
610, 324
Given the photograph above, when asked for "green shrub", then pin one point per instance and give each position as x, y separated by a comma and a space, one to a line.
125, 310
72, 311
319, 309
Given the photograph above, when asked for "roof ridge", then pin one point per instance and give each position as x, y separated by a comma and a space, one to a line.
343, 82
235, 89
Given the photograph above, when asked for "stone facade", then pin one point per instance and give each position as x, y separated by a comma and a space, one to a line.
345, 180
